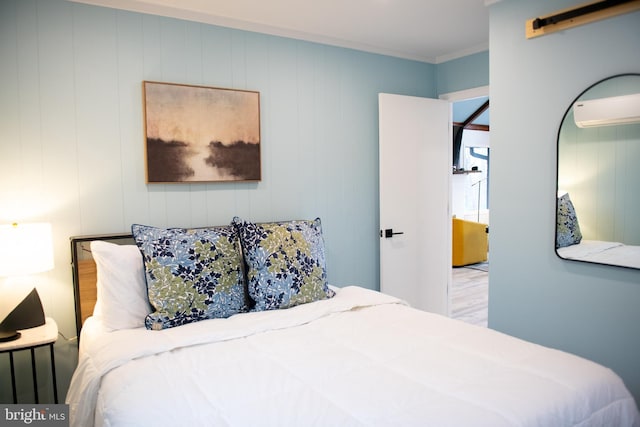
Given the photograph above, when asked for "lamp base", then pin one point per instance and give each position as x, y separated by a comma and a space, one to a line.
27, 314
6, 336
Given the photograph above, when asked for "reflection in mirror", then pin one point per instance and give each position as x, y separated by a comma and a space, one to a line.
598, 200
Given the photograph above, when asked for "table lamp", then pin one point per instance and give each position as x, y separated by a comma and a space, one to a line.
24, 249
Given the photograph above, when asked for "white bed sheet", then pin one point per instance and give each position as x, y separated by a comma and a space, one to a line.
613, 253
360, 358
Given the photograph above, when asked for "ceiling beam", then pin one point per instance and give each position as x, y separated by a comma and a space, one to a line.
468, 123
473, 126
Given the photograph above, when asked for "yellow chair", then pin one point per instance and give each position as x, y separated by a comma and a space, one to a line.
470, 242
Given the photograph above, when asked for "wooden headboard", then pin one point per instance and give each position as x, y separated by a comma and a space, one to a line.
84, 272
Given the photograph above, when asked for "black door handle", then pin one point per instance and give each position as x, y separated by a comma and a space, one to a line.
389, 233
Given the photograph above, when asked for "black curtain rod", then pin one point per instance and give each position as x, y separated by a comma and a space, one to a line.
595, 7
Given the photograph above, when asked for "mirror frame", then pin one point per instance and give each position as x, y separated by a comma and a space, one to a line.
556, 204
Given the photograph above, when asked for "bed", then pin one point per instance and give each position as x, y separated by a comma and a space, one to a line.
571, 245
601, 252
304, 352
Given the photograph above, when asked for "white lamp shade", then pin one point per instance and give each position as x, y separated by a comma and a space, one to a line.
25, 249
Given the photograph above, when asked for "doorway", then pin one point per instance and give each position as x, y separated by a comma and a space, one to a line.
469, 292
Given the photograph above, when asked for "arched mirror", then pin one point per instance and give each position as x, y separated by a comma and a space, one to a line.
598, 175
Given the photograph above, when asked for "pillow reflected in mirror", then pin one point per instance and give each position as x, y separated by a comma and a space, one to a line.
567, 226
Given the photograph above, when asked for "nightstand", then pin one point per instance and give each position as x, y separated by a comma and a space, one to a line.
30, 339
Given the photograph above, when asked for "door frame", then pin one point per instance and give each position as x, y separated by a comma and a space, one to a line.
461, 95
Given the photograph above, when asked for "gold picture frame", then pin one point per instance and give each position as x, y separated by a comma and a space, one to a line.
200, 134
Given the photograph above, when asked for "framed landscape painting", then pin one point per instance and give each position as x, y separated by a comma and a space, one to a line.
201, 134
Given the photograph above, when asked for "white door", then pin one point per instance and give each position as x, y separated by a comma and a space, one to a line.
415, 180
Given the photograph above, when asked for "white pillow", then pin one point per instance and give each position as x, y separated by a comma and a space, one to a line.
122, 291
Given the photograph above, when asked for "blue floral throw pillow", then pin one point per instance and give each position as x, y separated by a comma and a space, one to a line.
567, 228
192, 274
285, 263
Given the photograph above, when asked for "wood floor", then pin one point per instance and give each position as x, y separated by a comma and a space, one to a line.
470, 293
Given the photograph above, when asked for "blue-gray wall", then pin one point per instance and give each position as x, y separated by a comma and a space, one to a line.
468, 72
589, 310
71, 133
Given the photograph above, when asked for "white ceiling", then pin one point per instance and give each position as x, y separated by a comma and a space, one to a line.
425, 30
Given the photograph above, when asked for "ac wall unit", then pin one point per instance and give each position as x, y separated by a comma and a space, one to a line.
615, 110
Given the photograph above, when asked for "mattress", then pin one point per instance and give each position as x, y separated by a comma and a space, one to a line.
362, 358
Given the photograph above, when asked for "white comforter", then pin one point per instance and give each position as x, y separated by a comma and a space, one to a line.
361, 358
